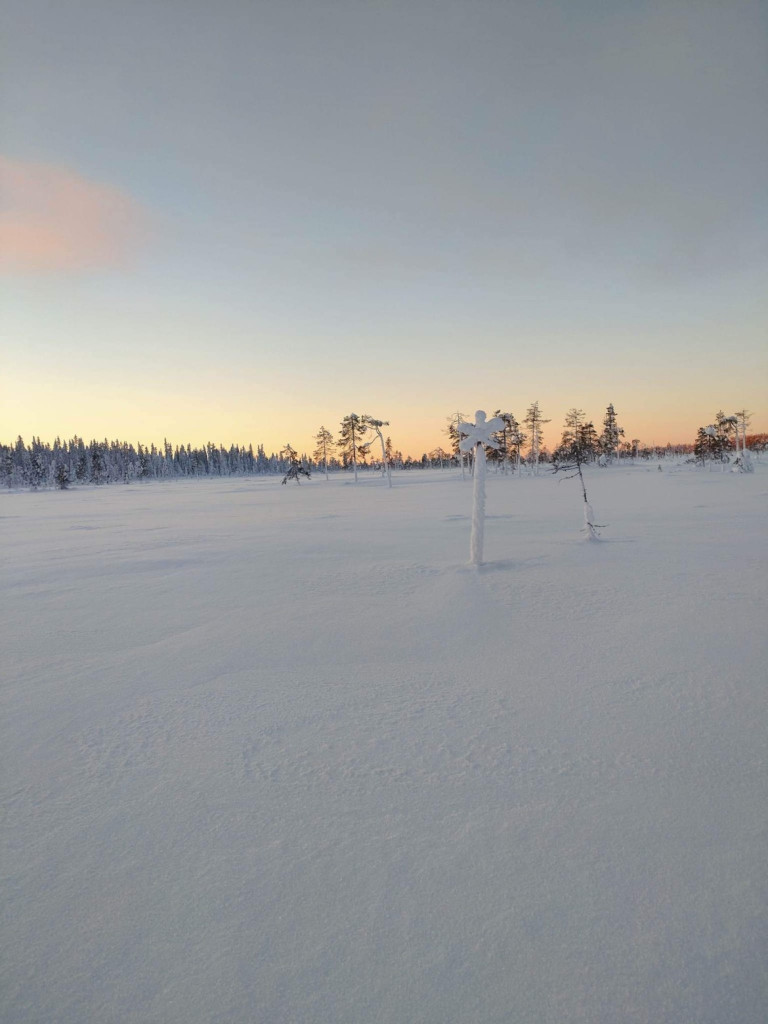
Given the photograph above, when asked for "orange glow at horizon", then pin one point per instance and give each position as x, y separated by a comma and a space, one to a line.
150, 419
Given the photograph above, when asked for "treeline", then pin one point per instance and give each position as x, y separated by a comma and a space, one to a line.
68, 463
514, 447
64, 463
727, 435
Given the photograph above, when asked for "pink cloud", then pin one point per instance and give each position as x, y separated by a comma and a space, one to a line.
52, 219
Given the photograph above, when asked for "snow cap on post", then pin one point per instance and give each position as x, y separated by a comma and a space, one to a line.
480, 431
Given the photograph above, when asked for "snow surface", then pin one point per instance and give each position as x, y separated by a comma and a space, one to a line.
251, 772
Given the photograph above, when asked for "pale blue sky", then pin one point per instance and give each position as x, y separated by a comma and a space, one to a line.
397, 208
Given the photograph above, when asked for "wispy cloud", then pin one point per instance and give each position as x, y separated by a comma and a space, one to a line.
54, 220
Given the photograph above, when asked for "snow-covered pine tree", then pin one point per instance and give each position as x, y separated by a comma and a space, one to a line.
353, 429
35, 470
580, 431
576, 448
589, 440
502, 455
98, 467
516, 440
61, 475
439, 456
452, 430
727, 432
744, 418
535, 421
743, 458
295, 468
574, 419
611, 435
7, 465
376, 426
262, 462
323, 442
710, 445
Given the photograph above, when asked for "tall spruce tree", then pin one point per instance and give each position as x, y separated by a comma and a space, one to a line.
501, 455
744, 418
61, 475
35, 469
98, 465
516, 441
535, 421
726, 427
323, 442
8, 465
611, 435
388, 451
351, 434
710, 445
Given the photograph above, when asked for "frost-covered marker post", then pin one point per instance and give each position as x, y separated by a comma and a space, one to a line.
476, 436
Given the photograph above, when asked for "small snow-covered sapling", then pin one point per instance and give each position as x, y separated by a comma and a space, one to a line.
295, 468
570, 457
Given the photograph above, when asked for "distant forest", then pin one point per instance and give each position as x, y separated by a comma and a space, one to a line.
66, 463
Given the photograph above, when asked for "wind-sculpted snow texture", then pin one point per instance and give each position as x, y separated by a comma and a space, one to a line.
279, 755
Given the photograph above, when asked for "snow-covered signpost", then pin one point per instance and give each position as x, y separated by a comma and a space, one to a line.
476, 436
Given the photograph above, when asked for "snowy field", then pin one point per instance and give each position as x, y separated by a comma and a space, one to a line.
278, 754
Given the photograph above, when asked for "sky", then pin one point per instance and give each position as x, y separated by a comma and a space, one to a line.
237, 222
